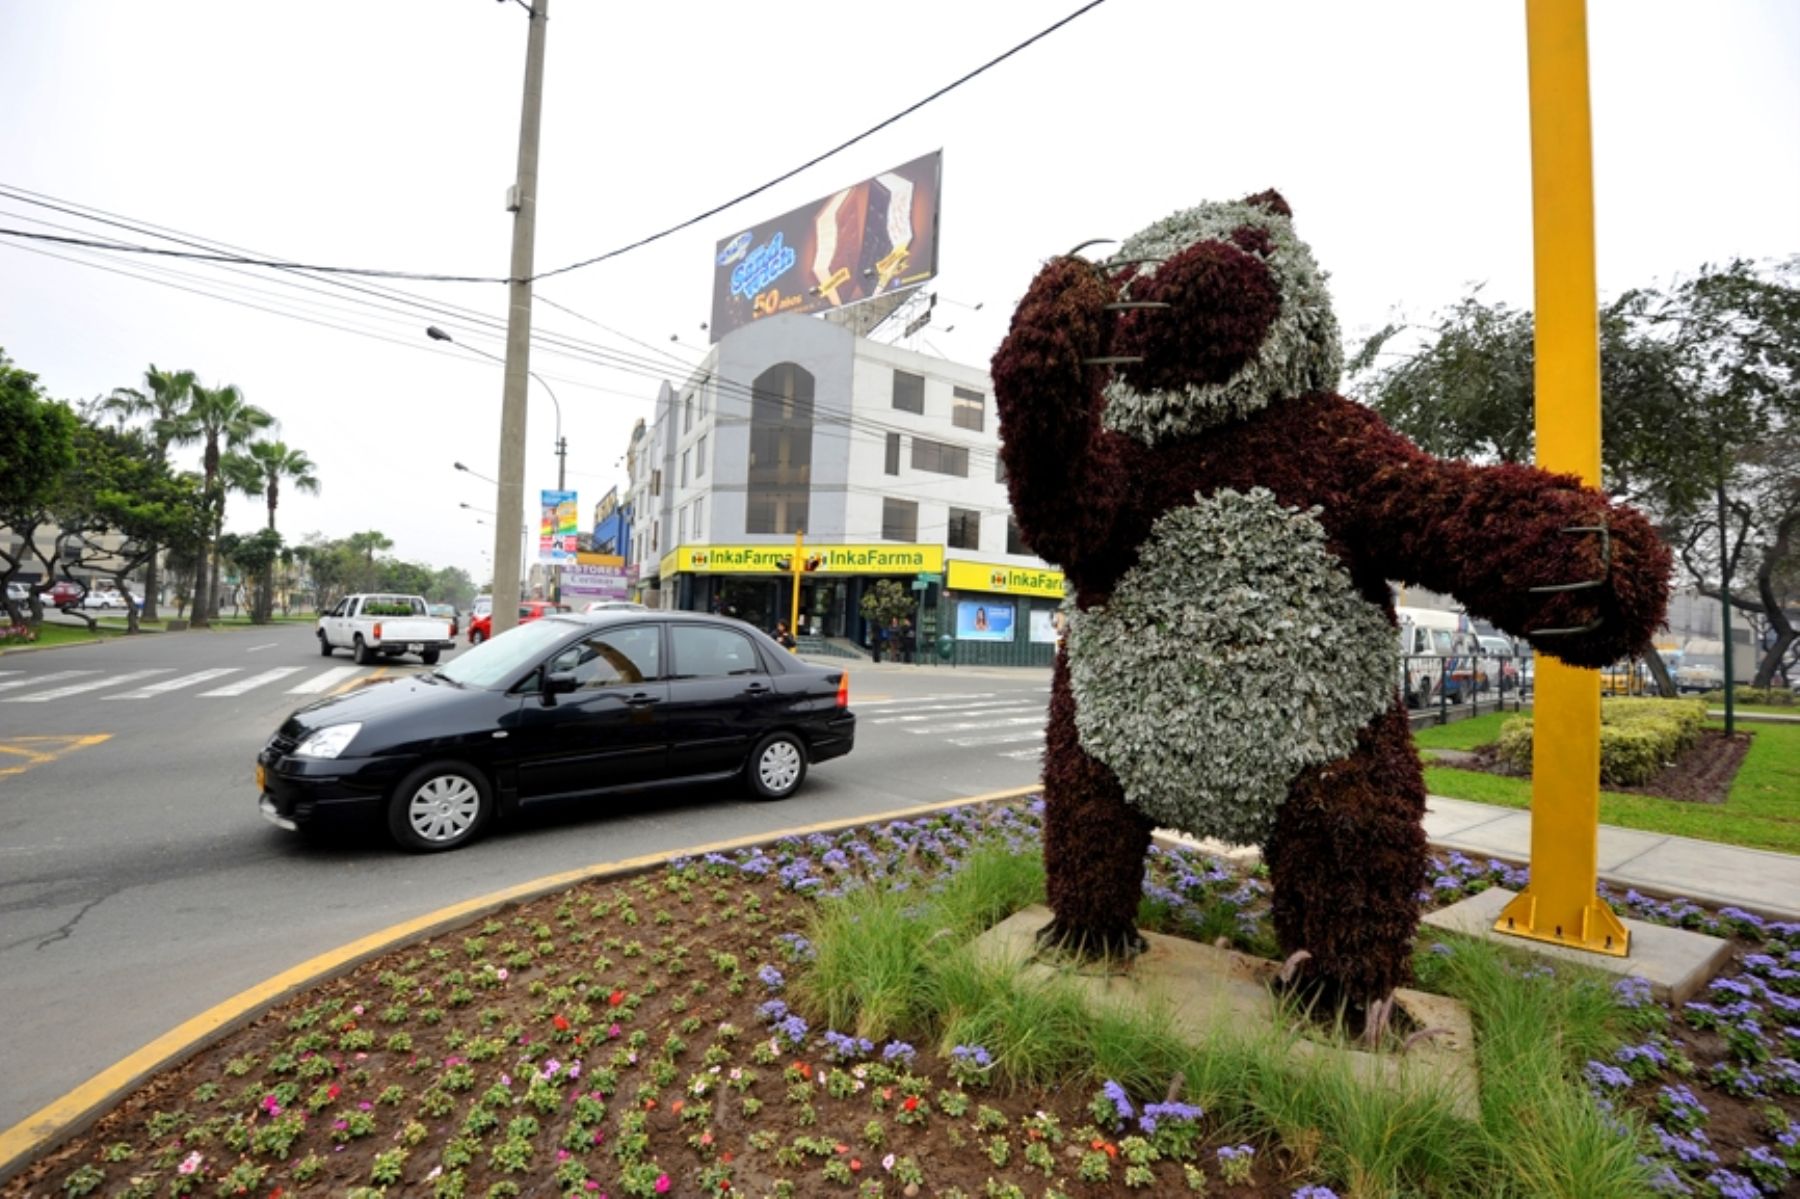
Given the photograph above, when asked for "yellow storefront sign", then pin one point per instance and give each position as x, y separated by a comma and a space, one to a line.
1005, 580
884, 559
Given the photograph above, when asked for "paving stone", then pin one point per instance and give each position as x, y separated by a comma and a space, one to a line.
1676, 961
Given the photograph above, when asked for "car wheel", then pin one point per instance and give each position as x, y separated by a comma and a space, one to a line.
361, 652
439, 806
476, 637
429, 657
324, 647
777, 766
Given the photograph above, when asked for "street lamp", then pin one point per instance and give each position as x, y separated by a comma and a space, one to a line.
477, 474
473, 508
562, 446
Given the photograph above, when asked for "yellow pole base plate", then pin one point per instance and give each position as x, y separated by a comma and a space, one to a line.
1596, 928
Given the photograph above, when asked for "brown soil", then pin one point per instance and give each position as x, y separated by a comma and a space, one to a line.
1701, 775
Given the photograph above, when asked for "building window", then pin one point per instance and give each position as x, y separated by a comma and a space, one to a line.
909, 392
965, 529
893, 453
681, 527
939, 458
1015, 540
700, 457
656, 482
699, 511
968, 409
684, 466
687, 412
999, 468
780, 471
899, 520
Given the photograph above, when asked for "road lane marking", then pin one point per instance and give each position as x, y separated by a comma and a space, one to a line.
324, 679
34, 680
378, 672
168, 685
252, 683
1024, 754
922, 699
19, 754
981, 710
999, 738
259, 648
111, 680
966, 725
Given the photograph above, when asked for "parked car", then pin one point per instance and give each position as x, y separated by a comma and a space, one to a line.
108, 598
1501, 654
378, 626
19, 593
614, 605
64, 593
568, 707
448, 612
481, 625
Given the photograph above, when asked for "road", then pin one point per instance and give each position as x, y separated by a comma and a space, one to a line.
140, 886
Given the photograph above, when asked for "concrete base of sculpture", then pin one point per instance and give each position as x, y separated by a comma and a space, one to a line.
1206, 991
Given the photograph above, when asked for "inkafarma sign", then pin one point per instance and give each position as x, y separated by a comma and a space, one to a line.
836, 559
870, 239
1005, 580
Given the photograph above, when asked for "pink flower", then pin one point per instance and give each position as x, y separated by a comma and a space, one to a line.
501, 974
190, 1163
662, 1184
613, 1032
887, 1163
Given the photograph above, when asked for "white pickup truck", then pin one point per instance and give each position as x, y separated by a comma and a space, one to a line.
377, 626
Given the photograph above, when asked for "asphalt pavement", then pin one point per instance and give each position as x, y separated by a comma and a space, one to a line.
139, 885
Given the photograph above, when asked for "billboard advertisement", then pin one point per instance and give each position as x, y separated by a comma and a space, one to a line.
978, 620
871, 239
595, 577
557, 527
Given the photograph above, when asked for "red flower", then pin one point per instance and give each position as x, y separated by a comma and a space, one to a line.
855, 1165
333, 1091
649, 1104
561, 1022
616, 998
911, 1104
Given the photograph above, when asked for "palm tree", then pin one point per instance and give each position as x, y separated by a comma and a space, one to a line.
277, 461
163, 400
221, 420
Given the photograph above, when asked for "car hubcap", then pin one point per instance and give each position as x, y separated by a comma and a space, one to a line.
444, 808
780, 766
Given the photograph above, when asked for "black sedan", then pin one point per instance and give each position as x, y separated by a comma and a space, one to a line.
561, 708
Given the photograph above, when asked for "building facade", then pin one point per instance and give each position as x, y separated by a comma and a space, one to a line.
884, 461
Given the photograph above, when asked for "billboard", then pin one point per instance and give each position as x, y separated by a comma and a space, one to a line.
874, 238
595, 577
979, 621
557, 527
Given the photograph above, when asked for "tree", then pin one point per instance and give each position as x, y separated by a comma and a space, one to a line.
276, 461
885, 603
220, 419
452, 585
367, 543
255, 556
36, 447
1699, 395
162, 402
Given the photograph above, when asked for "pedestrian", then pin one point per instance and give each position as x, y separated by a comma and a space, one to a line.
785, 638
877, 637
908, 639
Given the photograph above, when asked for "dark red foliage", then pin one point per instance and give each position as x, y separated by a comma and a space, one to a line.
1270, 201
1347, 853
1347, 861
1253, 240
1221, 300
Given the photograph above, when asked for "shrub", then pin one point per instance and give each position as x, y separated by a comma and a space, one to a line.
1773, 696
1637, 737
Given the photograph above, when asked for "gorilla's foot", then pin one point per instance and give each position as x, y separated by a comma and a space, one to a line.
1082, 941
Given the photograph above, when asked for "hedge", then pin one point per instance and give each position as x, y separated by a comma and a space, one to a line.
1637, 737
1774, 696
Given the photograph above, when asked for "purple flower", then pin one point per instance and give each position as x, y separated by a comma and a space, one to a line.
1632, 991
773, 1011
1155, 1113
771, 978
792, 1030
842, 1048
1609, 1077
973, 1055
1315, 1192
1730, 1185
899, 1051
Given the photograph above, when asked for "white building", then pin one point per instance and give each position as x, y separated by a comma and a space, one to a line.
885, 459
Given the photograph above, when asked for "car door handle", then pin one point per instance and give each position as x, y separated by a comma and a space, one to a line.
641, 700
758, 689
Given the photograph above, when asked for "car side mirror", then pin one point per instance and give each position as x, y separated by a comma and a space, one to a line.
557, 683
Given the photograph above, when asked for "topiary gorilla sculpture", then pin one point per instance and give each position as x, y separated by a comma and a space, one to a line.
1228, 524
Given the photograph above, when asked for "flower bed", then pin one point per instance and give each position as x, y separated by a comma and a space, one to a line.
675, 1034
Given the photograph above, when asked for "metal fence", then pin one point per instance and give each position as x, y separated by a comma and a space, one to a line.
1438, 684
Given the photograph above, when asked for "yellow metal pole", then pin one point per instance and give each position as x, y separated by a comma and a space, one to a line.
1559, 904
798, 566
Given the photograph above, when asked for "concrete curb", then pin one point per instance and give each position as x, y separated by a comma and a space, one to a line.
77, 1111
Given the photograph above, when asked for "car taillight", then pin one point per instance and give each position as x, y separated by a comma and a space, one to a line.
378, 630
844, 690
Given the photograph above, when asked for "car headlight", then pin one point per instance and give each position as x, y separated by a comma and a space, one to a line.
328, 742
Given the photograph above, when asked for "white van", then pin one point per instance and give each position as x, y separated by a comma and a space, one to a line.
1438, 650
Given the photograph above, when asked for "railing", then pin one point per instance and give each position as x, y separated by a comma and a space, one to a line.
1433, 683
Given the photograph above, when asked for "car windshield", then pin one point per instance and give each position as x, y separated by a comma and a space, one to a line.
502, 657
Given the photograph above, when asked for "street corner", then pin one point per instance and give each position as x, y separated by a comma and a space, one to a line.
19, 754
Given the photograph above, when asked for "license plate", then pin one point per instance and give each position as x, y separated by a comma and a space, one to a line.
413, 647
262, 778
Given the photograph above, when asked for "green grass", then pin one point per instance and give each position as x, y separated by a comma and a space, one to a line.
900, 964
65, 634
1761, 811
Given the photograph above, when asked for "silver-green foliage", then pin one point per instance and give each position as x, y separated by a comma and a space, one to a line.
1233, 656
1301, 353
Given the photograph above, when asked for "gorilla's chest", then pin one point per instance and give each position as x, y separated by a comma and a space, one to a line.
1232, 655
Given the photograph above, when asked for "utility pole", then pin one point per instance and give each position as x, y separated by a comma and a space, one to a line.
798, 566
509, 500
562, 463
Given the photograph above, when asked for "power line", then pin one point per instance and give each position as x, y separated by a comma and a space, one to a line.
817, 159
239, 259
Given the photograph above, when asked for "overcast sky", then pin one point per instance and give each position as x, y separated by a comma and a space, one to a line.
384, 134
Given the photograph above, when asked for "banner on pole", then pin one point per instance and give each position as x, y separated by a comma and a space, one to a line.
558, 527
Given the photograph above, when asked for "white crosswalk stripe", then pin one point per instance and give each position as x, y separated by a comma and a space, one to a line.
168, 685
993, 709
252, 683
1012, 738
324, 679
111, 680
34, 680
1024, 754
921, 699
967, 725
